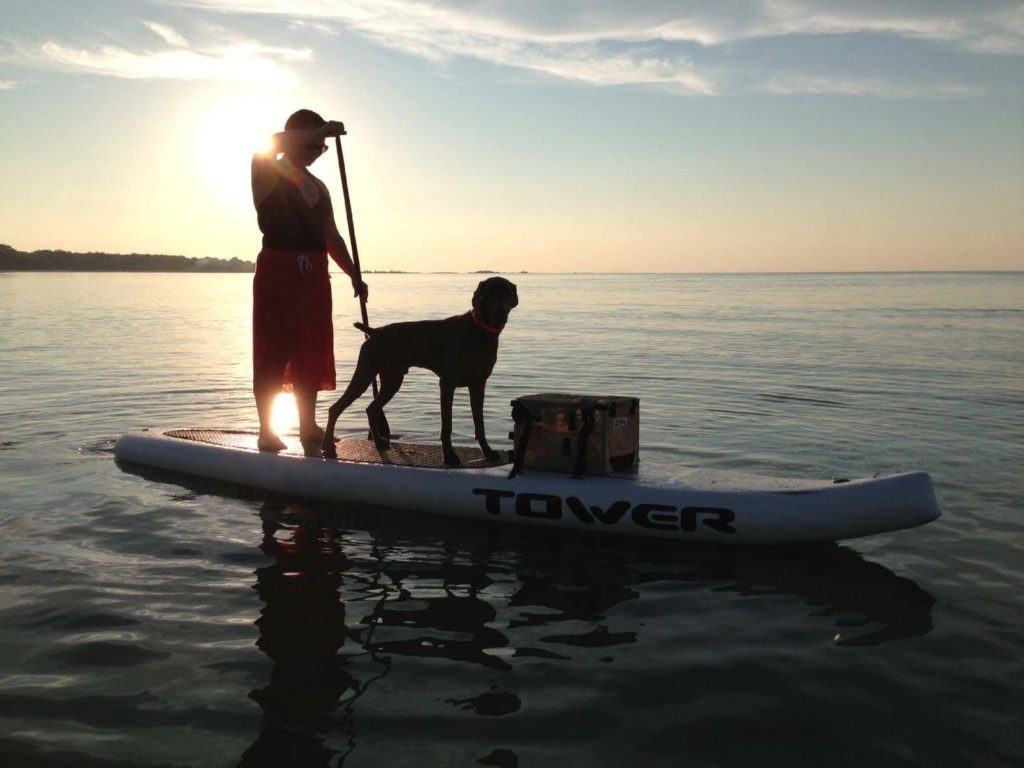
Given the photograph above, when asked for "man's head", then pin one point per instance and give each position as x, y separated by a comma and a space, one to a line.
305, 119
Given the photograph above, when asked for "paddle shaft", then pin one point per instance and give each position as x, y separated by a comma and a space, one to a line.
352, 237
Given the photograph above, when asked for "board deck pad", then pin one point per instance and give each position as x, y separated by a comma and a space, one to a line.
352, 449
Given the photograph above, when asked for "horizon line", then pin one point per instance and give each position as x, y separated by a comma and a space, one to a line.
527, 272
737, 272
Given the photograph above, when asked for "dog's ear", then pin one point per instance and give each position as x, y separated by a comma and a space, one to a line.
477, 294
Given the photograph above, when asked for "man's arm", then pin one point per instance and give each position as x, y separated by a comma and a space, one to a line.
296, 138
267, 170
339, 251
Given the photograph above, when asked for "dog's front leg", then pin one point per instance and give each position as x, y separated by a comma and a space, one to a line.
451, 459
476, 402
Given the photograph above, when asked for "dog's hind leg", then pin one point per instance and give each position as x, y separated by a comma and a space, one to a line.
380, 430
383, 428
360, 383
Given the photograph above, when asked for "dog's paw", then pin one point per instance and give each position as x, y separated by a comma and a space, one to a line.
491, 455
328, 449
381, 443
451, 458
383, 428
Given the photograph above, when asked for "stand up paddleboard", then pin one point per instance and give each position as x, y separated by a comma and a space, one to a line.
702, 505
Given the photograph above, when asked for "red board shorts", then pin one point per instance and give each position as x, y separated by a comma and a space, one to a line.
292, 332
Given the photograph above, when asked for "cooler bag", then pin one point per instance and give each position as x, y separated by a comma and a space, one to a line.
576, 434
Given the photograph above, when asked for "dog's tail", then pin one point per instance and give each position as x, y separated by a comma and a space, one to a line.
365, 328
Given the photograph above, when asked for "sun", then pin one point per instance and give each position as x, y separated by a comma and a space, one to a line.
226, 138
284, 416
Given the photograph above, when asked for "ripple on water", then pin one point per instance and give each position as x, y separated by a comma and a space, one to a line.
490, 703
103, 653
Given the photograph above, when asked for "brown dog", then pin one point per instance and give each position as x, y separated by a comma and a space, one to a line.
461, 350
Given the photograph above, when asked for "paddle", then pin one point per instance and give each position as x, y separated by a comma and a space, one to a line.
352, 235
382, 426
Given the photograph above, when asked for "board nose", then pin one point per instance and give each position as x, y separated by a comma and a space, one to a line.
926, 504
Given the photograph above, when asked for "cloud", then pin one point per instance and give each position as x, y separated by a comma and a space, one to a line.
1005, 34
578, 62
786, 17
590, 21
692, 47
439, 32
660, 42
166, 34
251, 62
6, 85
809, 84
318, 26
593, 69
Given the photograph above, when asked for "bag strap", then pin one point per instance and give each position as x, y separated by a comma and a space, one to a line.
520, 413
581, 442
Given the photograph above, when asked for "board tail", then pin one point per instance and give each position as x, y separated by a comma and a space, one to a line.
364, 328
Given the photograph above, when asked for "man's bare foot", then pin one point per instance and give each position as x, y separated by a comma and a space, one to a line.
268, 441
315, 435
311, 441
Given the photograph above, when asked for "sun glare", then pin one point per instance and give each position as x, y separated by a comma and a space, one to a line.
284, 416
227, 138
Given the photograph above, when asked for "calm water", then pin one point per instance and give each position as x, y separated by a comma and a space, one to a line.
151, 621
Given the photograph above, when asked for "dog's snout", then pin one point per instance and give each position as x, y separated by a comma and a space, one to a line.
504, 305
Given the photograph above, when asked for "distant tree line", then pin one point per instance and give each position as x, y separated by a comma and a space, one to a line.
12, 260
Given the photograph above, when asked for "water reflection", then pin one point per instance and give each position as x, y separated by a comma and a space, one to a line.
435, 598
348, 594
307, 703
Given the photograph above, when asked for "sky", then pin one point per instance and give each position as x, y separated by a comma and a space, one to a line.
598, 135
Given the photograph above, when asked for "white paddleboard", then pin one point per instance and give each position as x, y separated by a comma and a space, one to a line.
700, 505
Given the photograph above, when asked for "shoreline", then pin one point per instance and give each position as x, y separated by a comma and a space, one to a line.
13, 260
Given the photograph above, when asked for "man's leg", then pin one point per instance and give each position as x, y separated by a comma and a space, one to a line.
265, 391
305, 401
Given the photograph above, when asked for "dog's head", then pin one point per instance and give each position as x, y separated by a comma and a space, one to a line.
493, 299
